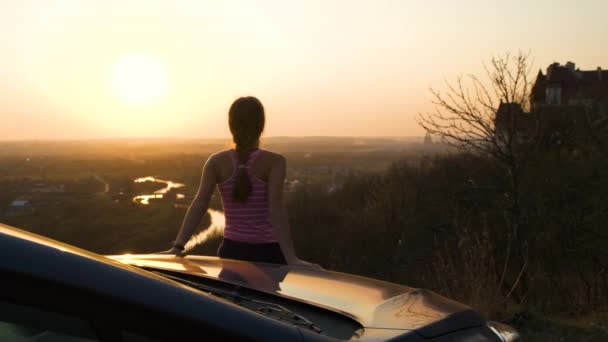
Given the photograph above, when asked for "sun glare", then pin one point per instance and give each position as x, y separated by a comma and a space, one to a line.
140, 78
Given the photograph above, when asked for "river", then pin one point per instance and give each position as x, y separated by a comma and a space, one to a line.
158, 194
218, 221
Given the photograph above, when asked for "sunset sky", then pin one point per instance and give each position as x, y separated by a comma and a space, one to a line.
72, 69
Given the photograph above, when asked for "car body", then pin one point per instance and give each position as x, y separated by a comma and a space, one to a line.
65, 293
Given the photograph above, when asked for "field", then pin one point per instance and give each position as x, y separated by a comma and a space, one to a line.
80, 191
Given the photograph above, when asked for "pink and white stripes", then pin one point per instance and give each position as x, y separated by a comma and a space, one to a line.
248, 221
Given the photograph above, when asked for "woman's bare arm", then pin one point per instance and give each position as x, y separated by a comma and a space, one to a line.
198, 207
278, 213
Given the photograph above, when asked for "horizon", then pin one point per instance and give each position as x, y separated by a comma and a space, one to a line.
100, 139
134, 69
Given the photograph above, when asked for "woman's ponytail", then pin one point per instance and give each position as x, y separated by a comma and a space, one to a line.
242, 186
246, 120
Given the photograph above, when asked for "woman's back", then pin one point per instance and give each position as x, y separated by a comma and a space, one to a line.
224, 164
246, 221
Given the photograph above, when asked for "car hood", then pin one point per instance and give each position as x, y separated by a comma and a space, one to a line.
372, 303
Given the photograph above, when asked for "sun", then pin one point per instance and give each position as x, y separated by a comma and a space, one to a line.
140, 78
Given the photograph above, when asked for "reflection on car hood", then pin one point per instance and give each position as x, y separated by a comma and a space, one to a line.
373, 303
41, 261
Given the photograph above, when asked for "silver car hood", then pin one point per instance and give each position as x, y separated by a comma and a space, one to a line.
373, 303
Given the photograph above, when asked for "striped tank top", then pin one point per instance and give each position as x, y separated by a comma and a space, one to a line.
247, 221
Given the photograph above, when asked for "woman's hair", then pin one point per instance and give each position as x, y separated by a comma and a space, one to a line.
246, 120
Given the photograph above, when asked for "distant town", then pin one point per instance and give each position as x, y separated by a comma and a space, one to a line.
42, 175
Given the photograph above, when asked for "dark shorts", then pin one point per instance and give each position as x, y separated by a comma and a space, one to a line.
256, 252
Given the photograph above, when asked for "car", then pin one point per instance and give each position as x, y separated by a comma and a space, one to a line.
52, 291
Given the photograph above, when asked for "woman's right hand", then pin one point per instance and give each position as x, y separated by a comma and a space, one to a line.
172, 251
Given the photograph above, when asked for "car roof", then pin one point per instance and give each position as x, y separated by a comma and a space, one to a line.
24, 253
372, 303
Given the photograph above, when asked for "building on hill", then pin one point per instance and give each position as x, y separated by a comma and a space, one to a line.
564, 85
564, 104
511, 117
428, 139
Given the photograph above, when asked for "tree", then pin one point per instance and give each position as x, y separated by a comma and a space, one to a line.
466, 113
599, 130
485, 117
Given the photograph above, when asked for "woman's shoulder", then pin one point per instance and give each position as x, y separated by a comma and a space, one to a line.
220, 157
272, 157
222, 154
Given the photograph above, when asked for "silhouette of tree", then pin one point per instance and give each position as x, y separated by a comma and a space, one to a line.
466, 112
466, 117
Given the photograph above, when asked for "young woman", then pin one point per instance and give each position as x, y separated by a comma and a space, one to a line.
250, 183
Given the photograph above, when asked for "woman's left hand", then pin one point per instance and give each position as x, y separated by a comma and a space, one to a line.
303, 263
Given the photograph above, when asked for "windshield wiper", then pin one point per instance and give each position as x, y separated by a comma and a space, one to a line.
273, 310
283, 314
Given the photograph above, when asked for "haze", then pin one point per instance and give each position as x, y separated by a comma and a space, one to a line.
338, 68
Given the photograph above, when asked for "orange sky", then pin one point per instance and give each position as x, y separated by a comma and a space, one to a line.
151, 68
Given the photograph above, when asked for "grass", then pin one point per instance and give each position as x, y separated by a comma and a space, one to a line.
563, 328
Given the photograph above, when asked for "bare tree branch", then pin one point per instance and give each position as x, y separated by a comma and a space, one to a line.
465, 117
